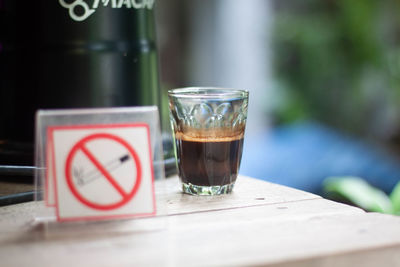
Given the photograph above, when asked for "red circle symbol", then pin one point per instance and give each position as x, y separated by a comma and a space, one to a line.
81, 146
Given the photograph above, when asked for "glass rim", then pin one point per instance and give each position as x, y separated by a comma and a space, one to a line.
208, 92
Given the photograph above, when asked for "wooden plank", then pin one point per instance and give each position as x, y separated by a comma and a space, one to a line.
307, 230
382, 256
247, 192
220, 238
298, 228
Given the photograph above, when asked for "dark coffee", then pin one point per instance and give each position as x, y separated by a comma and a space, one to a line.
207, 161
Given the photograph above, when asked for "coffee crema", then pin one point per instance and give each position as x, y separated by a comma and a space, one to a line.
207, 161
210, 135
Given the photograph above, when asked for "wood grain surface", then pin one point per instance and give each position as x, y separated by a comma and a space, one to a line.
260, 224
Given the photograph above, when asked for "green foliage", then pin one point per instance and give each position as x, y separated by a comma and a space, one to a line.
395, 198
338, 62
356, 191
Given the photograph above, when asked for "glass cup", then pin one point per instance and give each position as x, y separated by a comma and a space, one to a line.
208, 125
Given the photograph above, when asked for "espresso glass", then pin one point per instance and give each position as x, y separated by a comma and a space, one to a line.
208, 125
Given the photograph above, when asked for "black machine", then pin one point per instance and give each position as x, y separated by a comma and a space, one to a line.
71, 54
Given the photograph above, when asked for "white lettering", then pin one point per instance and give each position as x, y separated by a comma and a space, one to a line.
96, 3
81, 4
73, 5
127, 3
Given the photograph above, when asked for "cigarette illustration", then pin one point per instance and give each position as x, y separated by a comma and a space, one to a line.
85, 177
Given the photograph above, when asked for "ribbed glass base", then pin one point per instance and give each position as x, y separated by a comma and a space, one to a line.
207, 190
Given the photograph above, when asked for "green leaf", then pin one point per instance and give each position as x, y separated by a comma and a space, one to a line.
395, 198
360, 193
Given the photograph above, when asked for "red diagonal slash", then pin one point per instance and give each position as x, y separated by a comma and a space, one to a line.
106, 174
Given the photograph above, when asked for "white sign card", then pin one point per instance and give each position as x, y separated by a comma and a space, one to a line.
97, 171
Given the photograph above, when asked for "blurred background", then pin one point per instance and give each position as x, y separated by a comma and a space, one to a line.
323, 76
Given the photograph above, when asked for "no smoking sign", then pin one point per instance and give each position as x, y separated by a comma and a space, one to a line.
100, 172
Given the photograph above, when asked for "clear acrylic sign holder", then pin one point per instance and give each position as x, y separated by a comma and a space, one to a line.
99, 171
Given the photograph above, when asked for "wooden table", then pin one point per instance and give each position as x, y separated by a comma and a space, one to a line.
259, 224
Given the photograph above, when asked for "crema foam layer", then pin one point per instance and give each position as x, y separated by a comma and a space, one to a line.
210, 136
